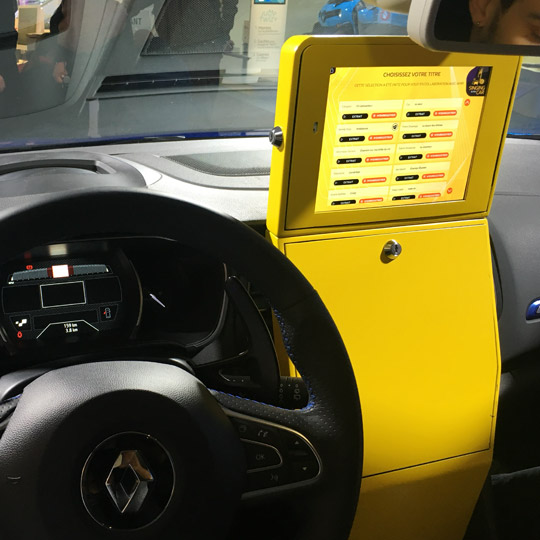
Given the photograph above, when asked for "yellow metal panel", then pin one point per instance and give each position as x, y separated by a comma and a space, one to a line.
421, 331
285, 111
302, 94
421, 334
430, 502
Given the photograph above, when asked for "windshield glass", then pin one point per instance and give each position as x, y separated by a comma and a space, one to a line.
75, 72
81, 71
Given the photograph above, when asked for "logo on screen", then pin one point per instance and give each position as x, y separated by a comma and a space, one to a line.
478, 81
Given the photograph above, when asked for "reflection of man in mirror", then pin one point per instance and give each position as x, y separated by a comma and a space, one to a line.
515, 22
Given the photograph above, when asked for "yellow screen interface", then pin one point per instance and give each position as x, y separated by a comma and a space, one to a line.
399, 135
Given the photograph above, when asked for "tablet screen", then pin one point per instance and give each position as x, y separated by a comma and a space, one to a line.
397, 136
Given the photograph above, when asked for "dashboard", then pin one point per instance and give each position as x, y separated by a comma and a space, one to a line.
155, 297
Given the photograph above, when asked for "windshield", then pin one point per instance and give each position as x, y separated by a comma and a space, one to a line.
75, 72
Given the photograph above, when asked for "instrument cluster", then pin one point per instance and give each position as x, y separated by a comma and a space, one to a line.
74, 298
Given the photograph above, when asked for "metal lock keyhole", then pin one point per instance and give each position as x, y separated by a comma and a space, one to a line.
392, 250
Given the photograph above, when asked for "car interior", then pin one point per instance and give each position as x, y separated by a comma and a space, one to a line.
200, 340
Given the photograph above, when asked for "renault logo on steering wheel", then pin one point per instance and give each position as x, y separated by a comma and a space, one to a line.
128, 482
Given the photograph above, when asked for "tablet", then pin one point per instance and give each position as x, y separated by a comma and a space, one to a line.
381, 130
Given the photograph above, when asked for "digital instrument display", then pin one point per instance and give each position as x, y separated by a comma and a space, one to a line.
397, 136
69, 301
63, 294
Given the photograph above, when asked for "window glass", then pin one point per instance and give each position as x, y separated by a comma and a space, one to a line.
75, 71
89, 71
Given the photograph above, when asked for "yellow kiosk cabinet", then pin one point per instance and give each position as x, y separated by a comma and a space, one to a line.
379, 193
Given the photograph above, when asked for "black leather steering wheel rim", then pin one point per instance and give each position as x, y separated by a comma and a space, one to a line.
331, 421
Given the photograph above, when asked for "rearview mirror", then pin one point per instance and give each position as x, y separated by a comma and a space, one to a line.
484, 26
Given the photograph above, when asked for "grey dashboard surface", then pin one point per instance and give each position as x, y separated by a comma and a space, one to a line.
220, 168
230, 176
242, 196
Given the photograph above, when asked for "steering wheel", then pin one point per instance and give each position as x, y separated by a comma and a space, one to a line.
122, 449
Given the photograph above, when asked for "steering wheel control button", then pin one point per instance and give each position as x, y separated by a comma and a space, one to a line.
533, 311
261, 456
304, 470
256, 432
107, 313
127, 482
392, 250
267, 479
266, 435
297, 447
